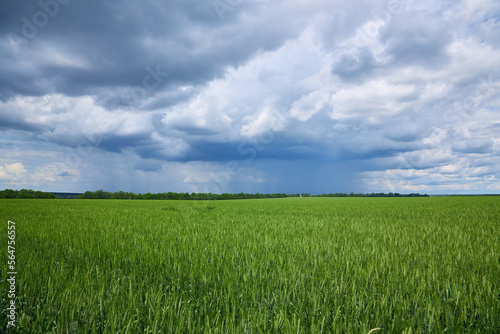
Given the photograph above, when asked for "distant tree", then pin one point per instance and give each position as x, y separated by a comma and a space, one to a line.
99, 194
24, 195
9, 193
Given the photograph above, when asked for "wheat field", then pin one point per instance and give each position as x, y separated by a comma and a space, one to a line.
291, 265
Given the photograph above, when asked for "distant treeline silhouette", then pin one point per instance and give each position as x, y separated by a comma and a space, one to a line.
373, 195
25, 193
101, 194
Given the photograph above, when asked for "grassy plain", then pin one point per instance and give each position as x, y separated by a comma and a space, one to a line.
294, 265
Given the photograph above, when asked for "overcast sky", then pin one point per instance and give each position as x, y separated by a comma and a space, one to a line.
250, 96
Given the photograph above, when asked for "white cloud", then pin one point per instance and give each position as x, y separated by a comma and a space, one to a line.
13, 173
207, 111
265, 120
250, 99
309, 105
54, 173
171, 147
16, 174
372, 101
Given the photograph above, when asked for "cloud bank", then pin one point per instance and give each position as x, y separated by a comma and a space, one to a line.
231, 96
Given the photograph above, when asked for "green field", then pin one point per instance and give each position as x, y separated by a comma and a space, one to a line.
292, 265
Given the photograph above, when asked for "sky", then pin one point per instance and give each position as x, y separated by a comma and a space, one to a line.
250, 96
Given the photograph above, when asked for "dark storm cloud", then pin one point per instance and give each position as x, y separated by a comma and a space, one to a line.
12, 120
409, 42
116, 143
350, 67
115, 41
245, 151
477, 146
148, 165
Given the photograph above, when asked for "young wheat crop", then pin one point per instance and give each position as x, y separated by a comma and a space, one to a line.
294, 265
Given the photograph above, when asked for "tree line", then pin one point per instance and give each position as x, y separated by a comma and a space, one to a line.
25, 193
101, 194
373, 195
